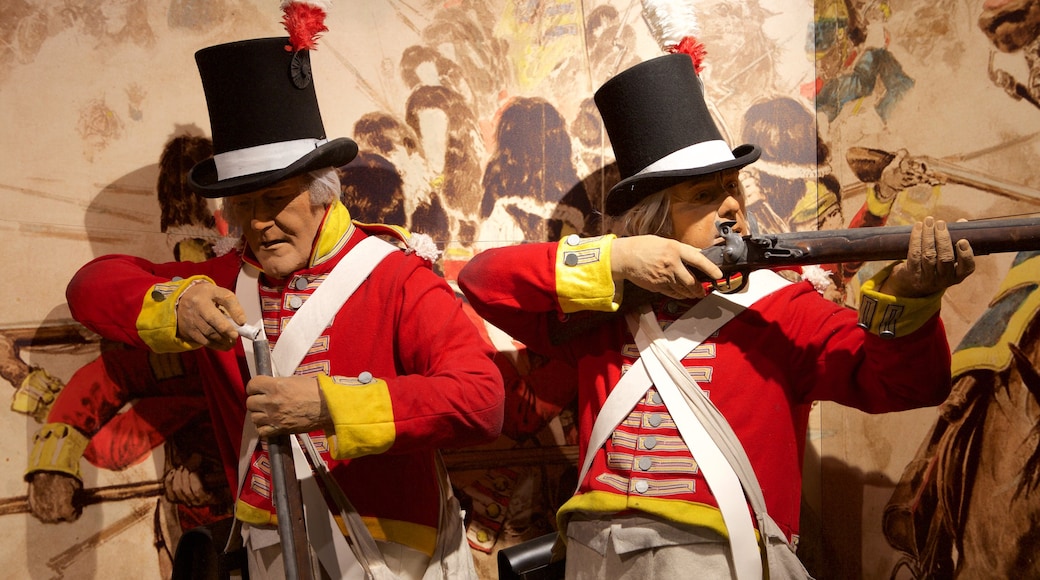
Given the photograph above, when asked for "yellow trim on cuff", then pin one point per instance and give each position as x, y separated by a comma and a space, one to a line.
980, 348
57, 447
583, 276
672, 510
891, 316
157, 322
254, 515
362, 413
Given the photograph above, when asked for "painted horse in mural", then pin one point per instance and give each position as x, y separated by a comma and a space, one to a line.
968, 505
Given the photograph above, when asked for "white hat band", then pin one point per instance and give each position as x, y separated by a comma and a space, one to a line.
700, 154
268, 157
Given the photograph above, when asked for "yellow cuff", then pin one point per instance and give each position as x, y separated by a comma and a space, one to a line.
583, 277
254, 515
362, 414
157, 323
891, 316
57, 447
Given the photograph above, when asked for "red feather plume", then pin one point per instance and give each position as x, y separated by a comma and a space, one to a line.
305, 23
693, 47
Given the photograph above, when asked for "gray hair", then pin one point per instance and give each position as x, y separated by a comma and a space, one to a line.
322, 183
649, 216
324, 186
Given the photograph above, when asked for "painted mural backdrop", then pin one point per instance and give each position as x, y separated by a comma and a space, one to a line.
476, 126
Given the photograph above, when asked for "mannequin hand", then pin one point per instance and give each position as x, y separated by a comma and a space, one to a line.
202, 316
933, 262
282, 405
661, 265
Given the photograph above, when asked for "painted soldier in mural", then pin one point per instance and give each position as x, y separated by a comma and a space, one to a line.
119, 407
966, 505
369, 415
1012, 27
529, 182
658, 495
853, 58
372, 190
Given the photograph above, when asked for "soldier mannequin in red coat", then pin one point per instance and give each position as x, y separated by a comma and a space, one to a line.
668, 484
396, 371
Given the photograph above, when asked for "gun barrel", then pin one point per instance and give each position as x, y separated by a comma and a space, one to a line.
288, 501
873, 244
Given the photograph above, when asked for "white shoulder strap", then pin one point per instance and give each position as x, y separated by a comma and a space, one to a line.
333, 550
315, 314
685, 334
321, 307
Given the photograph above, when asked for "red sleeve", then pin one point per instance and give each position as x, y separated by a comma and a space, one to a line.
450, 393
833, 359
106, 295
514, 288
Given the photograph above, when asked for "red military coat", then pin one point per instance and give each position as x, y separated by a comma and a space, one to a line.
762, 370
436, 383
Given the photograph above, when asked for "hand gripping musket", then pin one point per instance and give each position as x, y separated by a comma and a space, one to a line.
288, 499
743, 254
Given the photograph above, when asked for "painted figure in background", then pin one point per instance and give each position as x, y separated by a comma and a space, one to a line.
382, 134
1014, 26
785, 131
852, 58
116, 409
369, 414
608, 47
529, 182
465, 31
448, 131
795, 176
966, 505
371, 189
740, 66
658, 496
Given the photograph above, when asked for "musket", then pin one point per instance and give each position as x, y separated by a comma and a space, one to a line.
288, 498
742, 255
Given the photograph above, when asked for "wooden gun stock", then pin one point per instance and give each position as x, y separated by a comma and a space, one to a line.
749, 253
744, 254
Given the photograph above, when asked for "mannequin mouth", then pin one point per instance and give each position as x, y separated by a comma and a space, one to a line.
269, 244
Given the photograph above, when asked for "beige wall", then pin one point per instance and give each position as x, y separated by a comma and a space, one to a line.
91, 91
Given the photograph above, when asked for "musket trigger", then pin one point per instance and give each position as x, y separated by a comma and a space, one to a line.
729, 288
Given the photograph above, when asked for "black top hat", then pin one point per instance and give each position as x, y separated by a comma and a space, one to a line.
661, 130
264, 117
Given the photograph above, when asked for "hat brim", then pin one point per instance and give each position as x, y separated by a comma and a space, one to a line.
203, 177
631, 190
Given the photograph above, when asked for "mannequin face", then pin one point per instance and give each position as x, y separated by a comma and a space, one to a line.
280, 224
696, 205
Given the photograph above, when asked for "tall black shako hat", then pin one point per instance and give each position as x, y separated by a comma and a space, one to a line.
264, 118
661, 130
